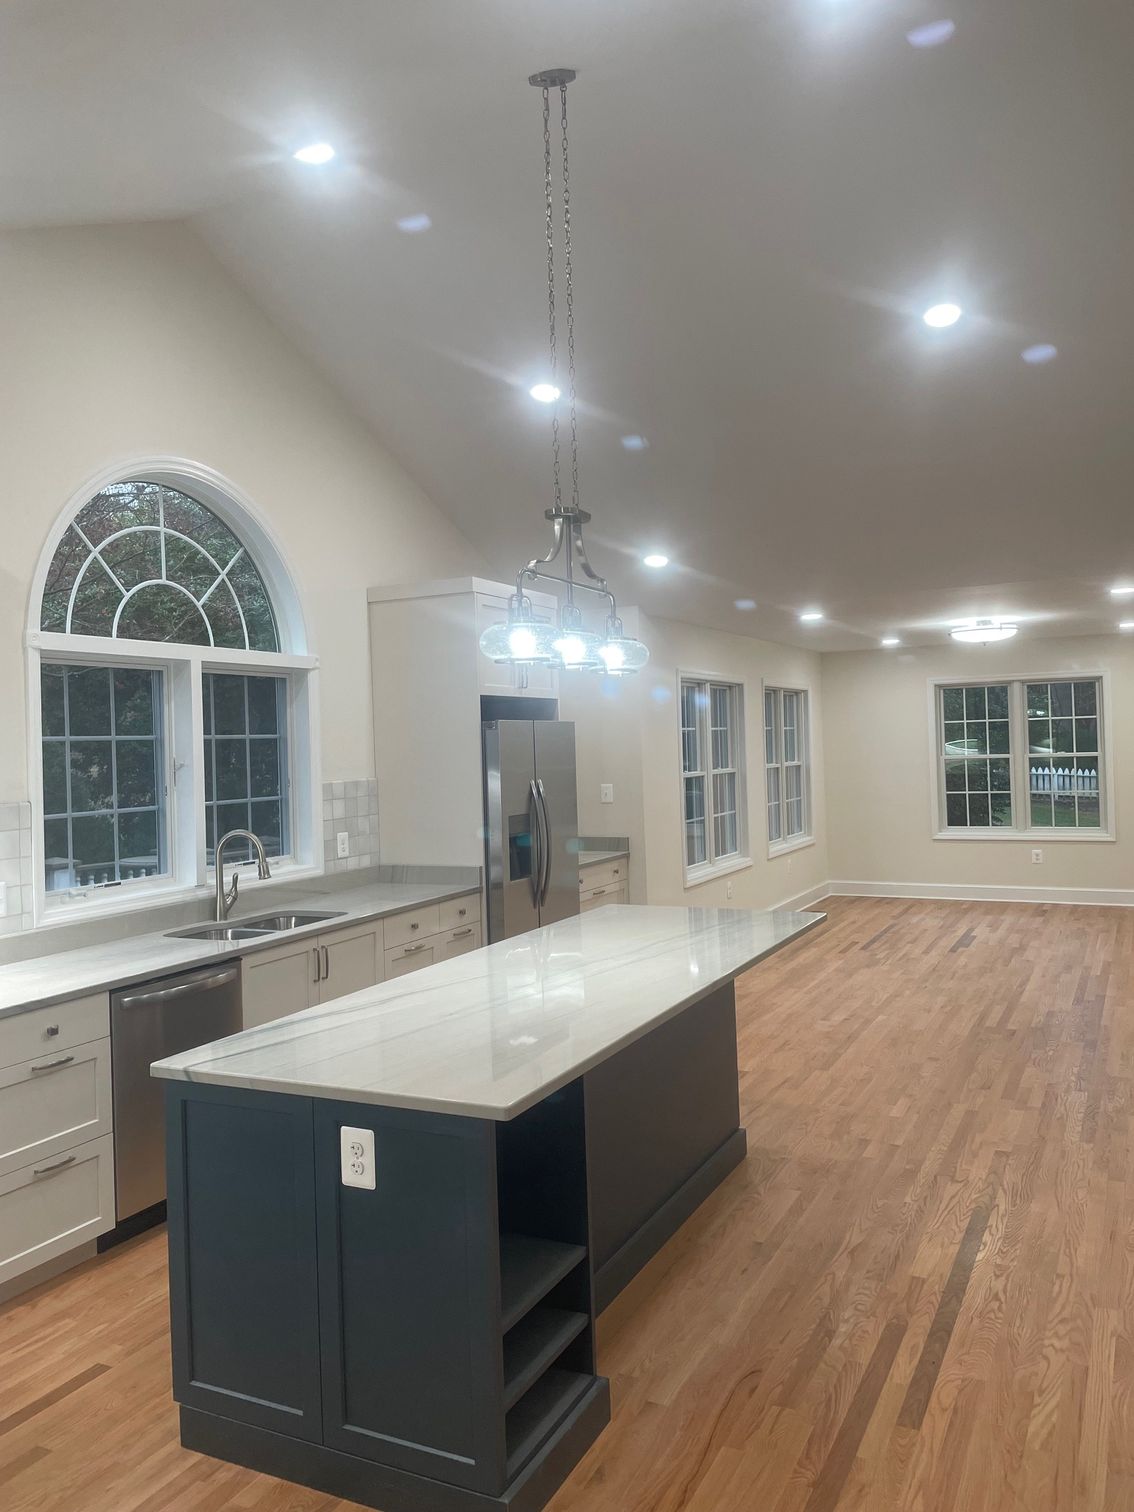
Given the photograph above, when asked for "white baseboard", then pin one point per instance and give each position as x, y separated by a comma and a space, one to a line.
804, 900
1098, 897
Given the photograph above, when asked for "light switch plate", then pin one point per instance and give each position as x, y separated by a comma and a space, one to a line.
356, 1150
606, 792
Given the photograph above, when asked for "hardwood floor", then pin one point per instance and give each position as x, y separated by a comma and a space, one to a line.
916, 1296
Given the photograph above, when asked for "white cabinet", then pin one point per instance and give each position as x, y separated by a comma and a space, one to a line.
53, 1103
603, 883
412, 955
458, 942
406, 958
274, 983
56, 1145
55, 1205
349, 960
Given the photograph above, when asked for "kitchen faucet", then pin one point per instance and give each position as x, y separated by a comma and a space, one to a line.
227, 897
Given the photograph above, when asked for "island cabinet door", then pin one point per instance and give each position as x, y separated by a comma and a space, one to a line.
410, 1295
242, 1268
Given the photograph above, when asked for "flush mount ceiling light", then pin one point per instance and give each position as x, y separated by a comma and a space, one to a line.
932, 34
566, 644
983, 631
941, 315
634, 443
811, 616
656, 559
891, 640
744, 604
1126, 624
316, 154
1042, 352
413, 225
1122, 590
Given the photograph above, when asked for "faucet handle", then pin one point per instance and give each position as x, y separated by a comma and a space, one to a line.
231, 892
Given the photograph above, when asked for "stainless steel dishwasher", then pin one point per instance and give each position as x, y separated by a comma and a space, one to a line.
147, 1022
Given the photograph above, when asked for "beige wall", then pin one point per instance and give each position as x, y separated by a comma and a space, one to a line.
629, 734
131, 341
876, 710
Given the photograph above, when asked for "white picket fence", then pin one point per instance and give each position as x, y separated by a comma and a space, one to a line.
1064, 780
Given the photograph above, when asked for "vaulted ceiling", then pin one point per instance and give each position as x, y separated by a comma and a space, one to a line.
766, 196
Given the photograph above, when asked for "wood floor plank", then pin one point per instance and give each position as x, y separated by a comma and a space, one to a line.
916, 1295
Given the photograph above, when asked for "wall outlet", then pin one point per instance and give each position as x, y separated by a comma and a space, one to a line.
342, 843
606, 792
356, 1148
1037, 857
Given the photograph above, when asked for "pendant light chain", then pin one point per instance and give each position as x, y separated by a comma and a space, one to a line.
550, 208
570, 304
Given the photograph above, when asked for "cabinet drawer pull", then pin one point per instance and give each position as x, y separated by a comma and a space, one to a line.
318, 963
413, 949
51, 1169
64, 1060
599, 892
51, 1031
460, 933
326, 963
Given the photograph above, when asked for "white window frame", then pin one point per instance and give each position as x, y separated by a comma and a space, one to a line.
1019, 760
711, 867
806, 837
183, 667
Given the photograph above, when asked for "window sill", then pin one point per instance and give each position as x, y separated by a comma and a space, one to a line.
98, 905
694, 877
1089, 837
785, 847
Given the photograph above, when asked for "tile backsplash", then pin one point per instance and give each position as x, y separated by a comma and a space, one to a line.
15, 867
350, 808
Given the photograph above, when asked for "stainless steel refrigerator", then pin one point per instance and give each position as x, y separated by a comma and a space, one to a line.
531, 824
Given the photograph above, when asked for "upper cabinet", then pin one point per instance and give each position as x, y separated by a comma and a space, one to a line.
428, 676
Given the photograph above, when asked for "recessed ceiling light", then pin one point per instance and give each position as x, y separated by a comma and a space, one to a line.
411, 224
810, 616
932, 34
656, 559
745, 604
1122, 590
891, 640
983, 631
941, 315
634, 443
546, 393
1126, 624
317, 153
1042, 352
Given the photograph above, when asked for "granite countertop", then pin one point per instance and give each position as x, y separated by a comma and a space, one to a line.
40, 980
593, 857
491, 1033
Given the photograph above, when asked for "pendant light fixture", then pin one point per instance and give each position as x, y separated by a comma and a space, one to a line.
521, 640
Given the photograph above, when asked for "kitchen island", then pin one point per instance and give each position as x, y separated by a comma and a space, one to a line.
394, 1218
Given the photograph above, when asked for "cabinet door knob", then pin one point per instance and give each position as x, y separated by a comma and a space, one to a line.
415, 926
51, 1031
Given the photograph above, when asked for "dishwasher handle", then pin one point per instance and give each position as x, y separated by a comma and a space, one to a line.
179, 989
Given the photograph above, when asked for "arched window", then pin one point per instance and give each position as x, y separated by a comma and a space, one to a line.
169, 712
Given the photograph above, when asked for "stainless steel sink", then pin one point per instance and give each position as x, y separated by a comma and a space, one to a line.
281, 921
251, 929
218, 932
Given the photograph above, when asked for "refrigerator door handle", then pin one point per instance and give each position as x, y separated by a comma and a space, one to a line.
535, 812
545, 843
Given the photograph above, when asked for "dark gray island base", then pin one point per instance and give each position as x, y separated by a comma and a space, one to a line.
430, 1345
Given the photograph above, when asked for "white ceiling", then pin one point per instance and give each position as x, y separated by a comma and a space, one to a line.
766, 195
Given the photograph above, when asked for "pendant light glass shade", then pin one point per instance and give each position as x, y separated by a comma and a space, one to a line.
621, 654
520, 641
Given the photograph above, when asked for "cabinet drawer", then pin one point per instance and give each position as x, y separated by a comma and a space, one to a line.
604, 874
410, 957
51, 1104
455, 942
55, 1205
601, 897
458, 912
404, 928
23, 1036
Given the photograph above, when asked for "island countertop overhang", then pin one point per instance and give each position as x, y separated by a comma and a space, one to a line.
491, 1033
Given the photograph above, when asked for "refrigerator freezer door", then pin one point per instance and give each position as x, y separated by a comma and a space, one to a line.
513, 859
555, 780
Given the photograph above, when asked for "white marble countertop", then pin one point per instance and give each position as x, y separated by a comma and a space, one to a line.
489, 1034
593, 857
45, 979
